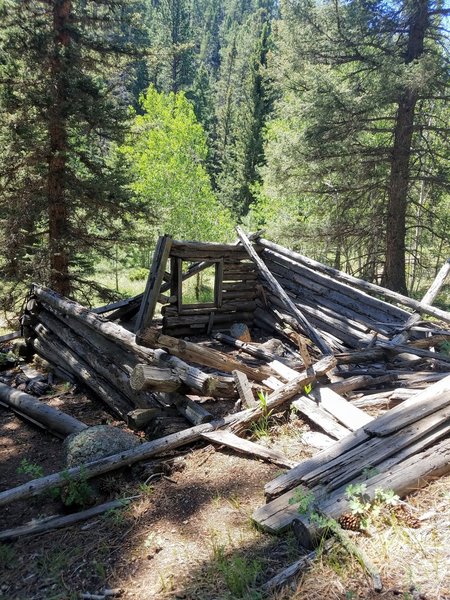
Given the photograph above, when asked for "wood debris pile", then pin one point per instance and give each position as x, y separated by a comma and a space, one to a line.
359, 344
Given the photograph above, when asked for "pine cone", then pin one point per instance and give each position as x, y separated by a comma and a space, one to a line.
350, 521
405, 516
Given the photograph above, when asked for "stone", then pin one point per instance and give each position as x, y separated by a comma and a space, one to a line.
97, 442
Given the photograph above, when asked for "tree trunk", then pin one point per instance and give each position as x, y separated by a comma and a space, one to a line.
58, 210
395, 267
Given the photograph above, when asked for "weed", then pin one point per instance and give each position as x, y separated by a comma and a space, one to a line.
308, 388
31, 469
360, 503
305, 500
240, 574
167, 583
260, 428
74, 491
115, 516
234, 502
146, 489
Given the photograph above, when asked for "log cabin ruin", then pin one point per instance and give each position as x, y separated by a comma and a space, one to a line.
272, 324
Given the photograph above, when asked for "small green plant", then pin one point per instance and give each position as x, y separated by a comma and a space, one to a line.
74, 491
115, 516
308, 388
240, 574
31, 469
369, 472
305, 500
146, 489
367, 509
445, 347
260, 428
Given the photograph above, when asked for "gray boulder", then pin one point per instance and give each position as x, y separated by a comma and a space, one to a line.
97, 442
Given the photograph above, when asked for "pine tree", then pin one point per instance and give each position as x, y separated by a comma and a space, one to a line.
347, 150
63, 105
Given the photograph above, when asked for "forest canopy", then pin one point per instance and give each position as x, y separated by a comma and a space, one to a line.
324, 122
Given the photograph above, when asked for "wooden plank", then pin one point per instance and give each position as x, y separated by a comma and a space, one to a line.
346, 467
320, 417
10, 336
283, 370
411, 472
244, 389
277, 289
431, 399
233, 441
360, 283
293, 477
154, 282
350, 416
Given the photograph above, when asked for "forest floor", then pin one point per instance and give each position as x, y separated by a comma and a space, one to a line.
188, 534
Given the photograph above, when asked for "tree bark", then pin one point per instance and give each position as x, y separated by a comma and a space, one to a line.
57, 202
394, 273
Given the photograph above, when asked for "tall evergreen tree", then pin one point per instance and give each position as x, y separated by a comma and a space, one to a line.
63, 103
348, 147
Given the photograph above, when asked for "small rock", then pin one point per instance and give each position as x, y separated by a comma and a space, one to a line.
97, 442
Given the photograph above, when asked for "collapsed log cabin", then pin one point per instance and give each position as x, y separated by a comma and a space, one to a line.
344, 334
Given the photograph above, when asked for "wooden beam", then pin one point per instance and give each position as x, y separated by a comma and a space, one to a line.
154, 282
278, 290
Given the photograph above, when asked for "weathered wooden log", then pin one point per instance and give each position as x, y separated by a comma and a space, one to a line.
57, 522
52, 419
244, 389
97, 356
285, 393
256, 351
359, 356
199, 354
148, 377
232, 306
278, 290
51, 348
360, 382
192, 377
192, 411
141, 417
359, 283
203, 319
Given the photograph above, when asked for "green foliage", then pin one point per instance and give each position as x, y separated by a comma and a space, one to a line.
369, 510
31, 469
7, 359
305, 500
138, 274
166, 152
260, 428
240, 574
74, 491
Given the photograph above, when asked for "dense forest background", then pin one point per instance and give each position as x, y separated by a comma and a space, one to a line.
325, 122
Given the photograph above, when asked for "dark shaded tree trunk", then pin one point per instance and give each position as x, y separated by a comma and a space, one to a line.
58, 212
395, 267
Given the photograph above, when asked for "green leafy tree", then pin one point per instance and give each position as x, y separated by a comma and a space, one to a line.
167, 151
63, 106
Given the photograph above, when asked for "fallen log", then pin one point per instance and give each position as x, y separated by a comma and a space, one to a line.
194, 378
147, 377
279, 291
320, 417
200, 354
57, 522
241, 420
52, 419
257, 352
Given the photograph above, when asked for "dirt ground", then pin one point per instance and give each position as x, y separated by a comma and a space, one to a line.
187, 534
